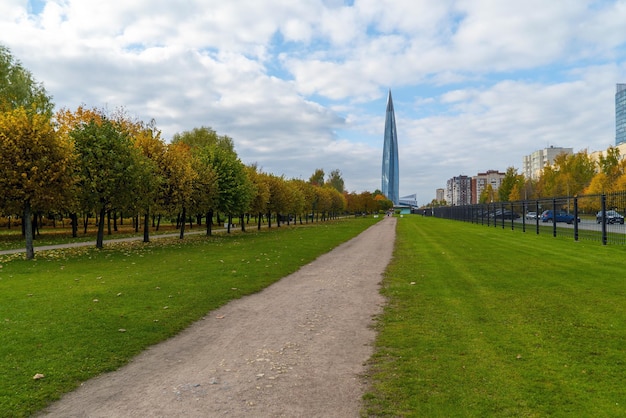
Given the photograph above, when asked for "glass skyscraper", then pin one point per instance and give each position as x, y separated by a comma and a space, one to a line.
620, 114
390, 176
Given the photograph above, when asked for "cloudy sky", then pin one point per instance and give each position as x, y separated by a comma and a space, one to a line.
303, 84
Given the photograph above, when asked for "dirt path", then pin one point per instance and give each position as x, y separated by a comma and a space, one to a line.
296, 349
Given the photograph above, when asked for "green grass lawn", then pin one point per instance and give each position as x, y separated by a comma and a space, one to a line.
73, 314
490, 322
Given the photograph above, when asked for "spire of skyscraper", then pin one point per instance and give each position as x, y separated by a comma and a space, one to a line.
390, 175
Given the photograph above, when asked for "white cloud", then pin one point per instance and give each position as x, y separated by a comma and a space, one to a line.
302, 85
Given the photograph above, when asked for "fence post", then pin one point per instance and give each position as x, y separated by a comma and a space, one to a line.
575, 218
524, 207
538, 214
603, 202
502, 213
554, 217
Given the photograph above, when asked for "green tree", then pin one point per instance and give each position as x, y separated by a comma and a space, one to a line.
336, 181
317, 178
204, 137
217, 155
109, 167
510, 180
18, 88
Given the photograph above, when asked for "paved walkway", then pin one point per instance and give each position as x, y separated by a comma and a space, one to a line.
296, 349
111, 241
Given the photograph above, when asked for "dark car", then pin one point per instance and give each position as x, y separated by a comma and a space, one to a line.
504, 214
561, 216
612, 217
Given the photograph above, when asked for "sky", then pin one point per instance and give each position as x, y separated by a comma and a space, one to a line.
303, 84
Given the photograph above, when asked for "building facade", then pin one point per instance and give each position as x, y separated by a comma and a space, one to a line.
459, 191
440, 195
620, 114
480, 182
534, 163
390, 173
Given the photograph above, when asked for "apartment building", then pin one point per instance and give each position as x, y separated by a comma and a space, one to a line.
480, 182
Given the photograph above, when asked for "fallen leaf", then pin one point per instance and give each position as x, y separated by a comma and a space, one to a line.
38, 376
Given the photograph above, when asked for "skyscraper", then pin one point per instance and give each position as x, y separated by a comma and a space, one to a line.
390, 175
620, 114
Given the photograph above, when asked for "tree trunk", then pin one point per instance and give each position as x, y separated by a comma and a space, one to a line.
259, 222
146, 226
35, 226
230, 221
209, 222
277, 220
28, 231
109, 222
243, 224
269, 219
182, 223
100, 236
74, 221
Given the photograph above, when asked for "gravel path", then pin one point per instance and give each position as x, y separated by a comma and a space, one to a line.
296, 349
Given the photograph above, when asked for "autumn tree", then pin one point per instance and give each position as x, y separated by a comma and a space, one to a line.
382, 202
260, 192
33, 158
297, 202
35, 166
338, 202
323, 201
279, 197
179, 178
306, 197
488, 195
147, 139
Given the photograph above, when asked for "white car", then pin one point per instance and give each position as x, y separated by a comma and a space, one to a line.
531, 215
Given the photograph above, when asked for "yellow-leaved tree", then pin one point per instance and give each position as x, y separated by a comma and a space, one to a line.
35, 166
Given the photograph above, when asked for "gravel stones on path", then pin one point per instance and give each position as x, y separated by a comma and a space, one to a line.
295, 349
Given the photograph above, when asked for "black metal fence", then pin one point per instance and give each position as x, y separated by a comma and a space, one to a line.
589, 217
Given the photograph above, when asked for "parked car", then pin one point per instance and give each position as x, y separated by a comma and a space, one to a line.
560, 216
504, 214
612, 217
531, 215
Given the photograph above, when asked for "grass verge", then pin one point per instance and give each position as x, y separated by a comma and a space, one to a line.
73, 314
484, 322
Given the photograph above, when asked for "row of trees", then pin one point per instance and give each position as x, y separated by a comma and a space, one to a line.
570, 175
88, 161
